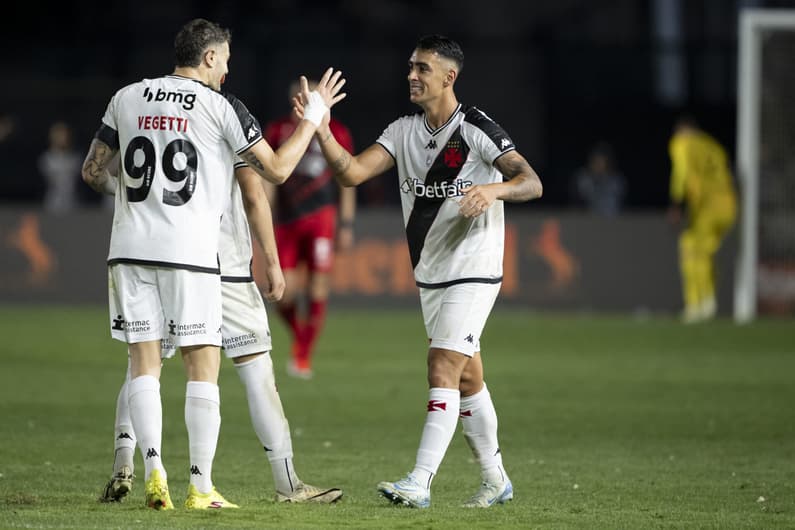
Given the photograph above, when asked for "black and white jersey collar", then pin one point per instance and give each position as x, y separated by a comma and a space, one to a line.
440, 129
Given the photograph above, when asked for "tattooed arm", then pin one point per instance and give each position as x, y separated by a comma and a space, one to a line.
353, 170
95, 168
522, 184
276, 166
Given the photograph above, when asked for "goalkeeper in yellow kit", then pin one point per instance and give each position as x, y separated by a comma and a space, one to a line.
702, 180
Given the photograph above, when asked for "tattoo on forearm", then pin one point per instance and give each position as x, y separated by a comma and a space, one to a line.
528, 185
252, 160
95, 165
342, 162
326, 138
515, 167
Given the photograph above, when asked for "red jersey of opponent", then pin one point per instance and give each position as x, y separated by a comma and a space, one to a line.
312, 185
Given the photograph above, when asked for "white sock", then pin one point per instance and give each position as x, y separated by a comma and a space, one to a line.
479, 421
440, 424
267, 417
146, 412
203, 420
123, 432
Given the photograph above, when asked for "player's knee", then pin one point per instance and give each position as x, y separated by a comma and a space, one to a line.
319, 286
443, 372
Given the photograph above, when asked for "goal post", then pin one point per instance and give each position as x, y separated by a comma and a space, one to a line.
767, 229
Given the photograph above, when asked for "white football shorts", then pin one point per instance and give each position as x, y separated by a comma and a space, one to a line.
455, 316
245, 327
153, 303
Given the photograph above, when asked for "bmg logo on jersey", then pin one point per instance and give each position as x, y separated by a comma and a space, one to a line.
187, 100
437, 190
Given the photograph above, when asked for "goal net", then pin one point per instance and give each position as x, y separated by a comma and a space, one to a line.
765, 282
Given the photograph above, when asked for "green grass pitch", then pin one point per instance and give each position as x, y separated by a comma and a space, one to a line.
605, 422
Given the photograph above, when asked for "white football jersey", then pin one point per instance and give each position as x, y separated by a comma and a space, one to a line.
433, 167
178, 141
234, 246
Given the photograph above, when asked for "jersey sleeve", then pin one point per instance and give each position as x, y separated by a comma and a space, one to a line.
389, 138
487, 139
240, 128
108, 131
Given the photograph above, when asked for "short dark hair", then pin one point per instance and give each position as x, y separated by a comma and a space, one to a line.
444, 46
194, 38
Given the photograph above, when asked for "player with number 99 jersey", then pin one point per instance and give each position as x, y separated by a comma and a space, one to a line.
175, 180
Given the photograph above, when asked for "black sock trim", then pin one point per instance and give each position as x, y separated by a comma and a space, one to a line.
287, 467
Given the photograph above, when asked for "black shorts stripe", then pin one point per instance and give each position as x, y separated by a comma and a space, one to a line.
164, 264
237, 279
442, 285
444, 169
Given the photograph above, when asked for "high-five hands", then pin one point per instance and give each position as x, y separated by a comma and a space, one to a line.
314, 105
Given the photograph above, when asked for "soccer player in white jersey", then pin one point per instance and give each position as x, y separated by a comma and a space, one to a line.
456, 167
246, 340
178, 137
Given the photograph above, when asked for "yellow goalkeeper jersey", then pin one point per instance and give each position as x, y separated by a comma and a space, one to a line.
699, 170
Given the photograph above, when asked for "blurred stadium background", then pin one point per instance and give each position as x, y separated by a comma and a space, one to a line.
561, 78
613, 414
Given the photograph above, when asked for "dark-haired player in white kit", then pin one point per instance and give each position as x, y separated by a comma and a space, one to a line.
178, 137
246, 340
456, 167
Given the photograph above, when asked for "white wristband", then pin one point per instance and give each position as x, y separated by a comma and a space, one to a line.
315, 108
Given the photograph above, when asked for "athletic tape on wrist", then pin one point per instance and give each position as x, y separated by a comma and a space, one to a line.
315, 108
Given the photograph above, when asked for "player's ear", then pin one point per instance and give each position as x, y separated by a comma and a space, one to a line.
209, 57
450, 78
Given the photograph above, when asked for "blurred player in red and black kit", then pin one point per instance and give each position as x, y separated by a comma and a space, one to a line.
306, 221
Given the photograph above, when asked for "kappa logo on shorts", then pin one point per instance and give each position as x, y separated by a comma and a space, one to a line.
171, 327
470, 339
